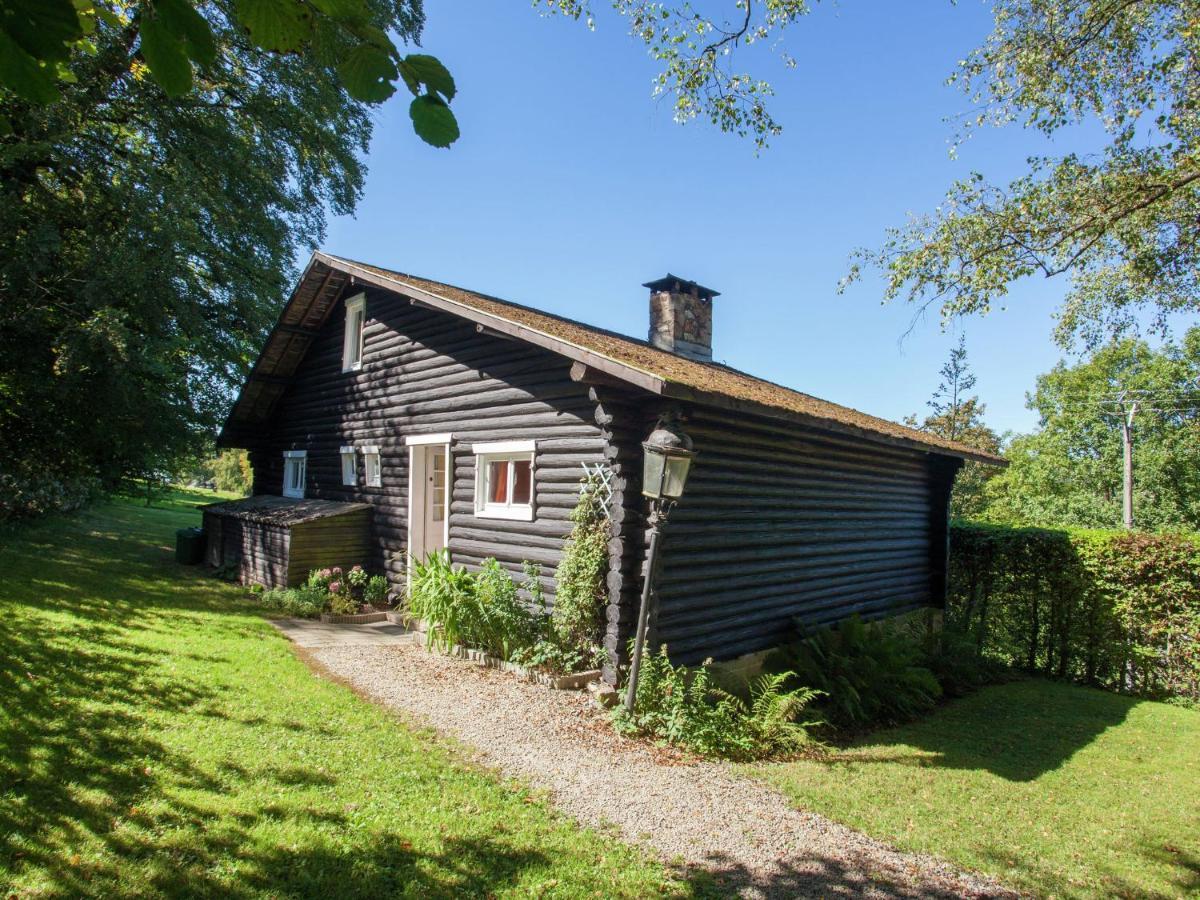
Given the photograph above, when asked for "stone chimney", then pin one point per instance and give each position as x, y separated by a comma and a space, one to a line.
681, 317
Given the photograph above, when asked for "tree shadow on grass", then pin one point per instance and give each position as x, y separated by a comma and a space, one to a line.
83, 769
815, 875
1018, 731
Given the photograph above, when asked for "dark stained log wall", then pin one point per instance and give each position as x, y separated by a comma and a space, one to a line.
342, 540
781, 522
425, 372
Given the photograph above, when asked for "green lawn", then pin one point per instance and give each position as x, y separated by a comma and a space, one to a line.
1060, 790
158, 737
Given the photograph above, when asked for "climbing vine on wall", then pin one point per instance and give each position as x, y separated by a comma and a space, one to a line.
582, 589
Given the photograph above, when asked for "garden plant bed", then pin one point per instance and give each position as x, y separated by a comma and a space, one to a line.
575, 681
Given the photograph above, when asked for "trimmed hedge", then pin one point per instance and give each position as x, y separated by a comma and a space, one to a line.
1118, 610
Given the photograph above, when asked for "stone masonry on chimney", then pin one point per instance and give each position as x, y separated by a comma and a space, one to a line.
681, 317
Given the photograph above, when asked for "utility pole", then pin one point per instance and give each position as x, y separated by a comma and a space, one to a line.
1128, 409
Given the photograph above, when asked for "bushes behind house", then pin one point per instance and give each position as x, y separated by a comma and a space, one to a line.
878, 673
1117, 610
28, 490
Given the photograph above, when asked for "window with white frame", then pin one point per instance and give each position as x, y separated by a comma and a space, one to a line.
352, 347
372, 466
349, 466
504, 480
295, 462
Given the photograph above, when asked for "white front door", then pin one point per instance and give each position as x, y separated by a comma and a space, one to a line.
435, 499
428, 497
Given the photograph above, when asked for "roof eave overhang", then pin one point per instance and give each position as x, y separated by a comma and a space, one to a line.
231, 435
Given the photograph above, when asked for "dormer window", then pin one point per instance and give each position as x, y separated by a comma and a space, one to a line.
352, 346
295, 463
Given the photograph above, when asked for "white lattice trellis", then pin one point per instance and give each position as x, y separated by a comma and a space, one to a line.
604, 475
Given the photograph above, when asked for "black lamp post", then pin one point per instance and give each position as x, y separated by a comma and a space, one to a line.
668, 457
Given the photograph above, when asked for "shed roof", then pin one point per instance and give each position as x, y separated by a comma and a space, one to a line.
283, 511
618, 356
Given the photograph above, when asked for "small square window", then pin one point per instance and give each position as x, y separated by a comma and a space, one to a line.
352, 346
373, 467
504, 480
295, 464
349, 466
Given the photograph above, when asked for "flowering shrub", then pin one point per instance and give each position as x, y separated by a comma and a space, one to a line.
25, 494
330, 590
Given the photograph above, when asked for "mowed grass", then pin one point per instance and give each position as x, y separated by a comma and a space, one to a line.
158, 737
1059, 790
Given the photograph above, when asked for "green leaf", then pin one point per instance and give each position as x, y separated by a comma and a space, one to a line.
346, 12
44, 29
280, 25
367, 74
180, 18
86, 10
109, 17
433, 121
411, 81
431, 73
165, 55
20, 73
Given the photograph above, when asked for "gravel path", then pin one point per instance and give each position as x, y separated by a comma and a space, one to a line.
693, 815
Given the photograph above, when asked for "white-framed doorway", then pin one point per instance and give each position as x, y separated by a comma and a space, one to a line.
430, 486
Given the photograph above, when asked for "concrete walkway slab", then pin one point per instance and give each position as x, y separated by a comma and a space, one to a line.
310, 633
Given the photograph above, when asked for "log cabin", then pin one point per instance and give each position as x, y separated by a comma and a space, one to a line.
465, 423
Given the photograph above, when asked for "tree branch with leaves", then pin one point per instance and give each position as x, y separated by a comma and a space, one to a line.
697, 53
175, 40
1123, 223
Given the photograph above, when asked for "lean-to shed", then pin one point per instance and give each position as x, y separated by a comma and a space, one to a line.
277, 541
465, 423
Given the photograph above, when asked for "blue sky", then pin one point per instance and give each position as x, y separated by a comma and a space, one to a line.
570, 187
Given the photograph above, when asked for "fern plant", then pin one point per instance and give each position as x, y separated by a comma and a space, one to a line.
683, 706
868, 673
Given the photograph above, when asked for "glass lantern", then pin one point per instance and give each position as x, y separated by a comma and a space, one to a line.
668, 457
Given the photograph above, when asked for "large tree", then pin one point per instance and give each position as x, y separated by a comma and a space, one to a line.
145, 240
1069, 471
955, 413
